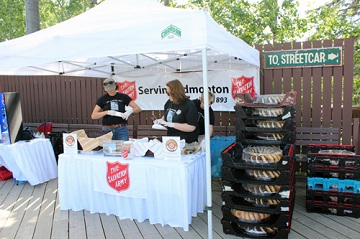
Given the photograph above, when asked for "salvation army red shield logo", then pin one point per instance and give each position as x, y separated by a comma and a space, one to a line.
243, 85
117, 176
128, 88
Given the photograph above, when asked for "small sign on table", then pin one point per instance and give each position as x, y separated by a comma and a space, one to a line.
70, 143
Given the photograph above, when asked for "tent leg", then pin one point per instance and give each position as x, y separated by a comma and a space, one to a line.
207, 144
209, 214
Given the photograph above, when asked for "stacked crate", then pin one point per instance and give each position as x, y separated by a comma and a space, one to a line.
333, 182
258, 191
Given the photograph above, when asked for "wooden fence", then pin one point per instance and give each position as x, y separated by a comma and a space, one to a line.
323, 93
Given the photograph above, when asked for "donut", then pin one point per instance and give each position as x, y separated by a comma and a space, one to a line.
262, 154
249, 216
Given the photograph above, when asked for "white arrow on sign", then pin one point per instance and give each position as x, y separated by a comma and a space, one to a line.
332, 56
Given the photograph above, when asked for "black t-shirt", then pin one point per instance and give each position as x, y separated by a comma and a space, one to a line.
201, 120
182, 113
117, 103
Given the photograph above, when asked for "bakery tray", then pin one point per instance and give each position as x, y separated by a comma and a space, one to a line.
333, 184
258, 190
339, 197
315, 148
273, 113
232, 156
334, 160
266, 100
282, 220
331, 172
265, 139
240, 175
333, 208
231, 227
257, 204
252, 125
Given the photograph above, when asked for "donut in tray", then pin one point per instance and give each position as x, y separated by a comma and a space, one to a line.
259, 202
268, 112
265, 175
259, 230
270, 136
261, 189
250, 217
269, 99
262, 155
270, 124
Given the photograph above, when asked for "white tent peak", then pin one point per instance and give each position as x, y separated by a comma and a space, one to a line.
120, 36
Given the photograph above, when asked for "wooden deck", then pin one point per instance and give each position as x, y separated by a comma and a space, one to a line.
33, 212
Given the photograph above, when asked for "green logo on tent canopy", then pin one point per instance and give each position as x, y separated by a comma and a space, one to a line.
170, 31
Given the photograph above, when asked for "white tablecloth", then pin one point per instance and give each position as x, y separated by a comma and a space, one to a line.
174, 191
32, 161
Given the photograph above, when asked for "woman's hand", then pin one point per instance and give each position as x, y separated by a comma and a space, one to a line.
114, 113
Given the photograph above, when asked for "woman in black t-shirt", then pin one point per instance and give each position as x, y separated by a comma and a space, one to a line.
180, 114
199, 103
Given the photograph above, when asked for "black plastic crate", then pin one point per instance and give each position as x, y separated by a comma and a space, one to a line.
330, 197
276, 206
231, 227
261, 125
334, 160
315, 148
339, 209
258, 190
246, 99
282, 220
330, 172
244, 112
241, 175
265, 139
232, 157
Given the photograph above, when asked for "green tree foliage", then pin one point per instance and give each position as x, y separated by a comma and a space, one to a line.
265, 21
12, 14
339, 19
12, 19
55, 11
256, 23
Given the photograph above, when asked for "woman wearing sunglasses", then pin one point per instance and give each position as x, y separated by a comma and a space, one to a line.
180, 114
111, 108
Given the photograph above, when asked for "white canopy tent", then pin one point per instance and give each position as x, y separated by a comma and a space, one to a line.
122, 37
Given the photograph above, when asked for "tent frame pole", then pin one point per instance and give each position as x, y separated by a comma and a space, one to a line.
207, 143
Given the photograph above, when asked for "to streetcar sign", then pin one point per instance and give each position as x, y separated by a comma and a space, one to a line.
304, 58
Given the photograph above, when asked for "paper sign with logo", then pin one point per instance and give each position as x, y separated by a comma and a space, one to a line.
172, 148
70, 143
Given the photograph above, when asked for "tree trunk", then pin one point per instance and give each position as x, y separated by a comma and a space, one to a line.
93, 3
32, 16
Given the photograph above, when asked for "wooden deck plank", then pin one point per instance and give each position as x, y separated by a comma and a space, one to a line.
46, 216
77, 228
26, 211
129, 229
149, 229
11, 223
167, 231
192, 233
6, 203
111, 226
61, 221
94, 229
326, 220
28, 224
